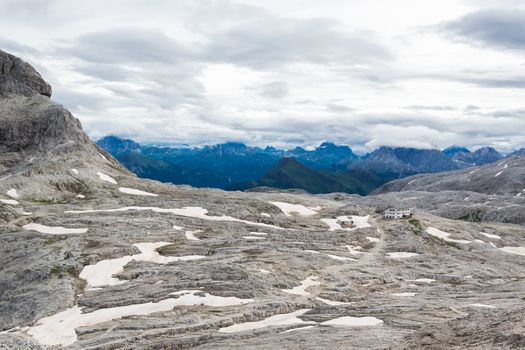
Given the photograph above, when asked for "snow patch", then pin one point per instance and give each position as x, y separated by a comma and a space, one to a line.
404, 295
498, 174
333, 303
444, 236
357, 222
288, 208
340, 258
106, 178
489, 235
253, 238
266, 215
190, 235
53, 230
482, 306
74, 171
354, 250
276, 320
194, 212
349, 321
422, 280
296, 329
136, 192
514, 250
100, 274
401, 255
59, 329
301, 290
81, 196
12, 193
258, 233
9, 201
373, 239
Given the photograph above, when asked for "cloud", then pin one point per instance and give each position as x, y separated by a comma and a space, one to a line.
497, 27
276, 89
201, 72
268, 41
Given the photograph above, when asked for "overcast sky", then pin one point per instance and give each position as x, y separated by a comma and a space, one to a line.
282, 72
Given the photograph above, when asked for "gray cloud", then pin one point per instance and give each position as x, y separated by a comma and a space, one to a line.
499, 27
142, 70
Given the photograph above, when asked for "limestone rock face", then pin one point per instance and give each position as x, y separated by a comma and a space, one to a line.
19, 77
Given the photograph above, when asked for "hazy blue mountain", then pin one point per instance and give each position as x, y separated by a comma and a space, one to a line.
484, 155
324, 156
116, 145
159, 170
236, 165
453, 150
390, 163
518, 153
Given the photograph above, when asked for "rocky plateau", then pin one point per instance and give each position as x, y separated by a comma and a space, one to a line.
92, 257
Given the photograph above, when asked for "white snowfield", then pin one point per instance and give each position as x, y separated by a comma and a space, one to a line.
81, 196
265, 215
358, 222
444, 236
514, 250
59, 329
498, 174
401, 255
253, 238
106, 178
58, 230
101, 273
136, 192
74, 171
276, 320
9, 201
301, 290
288, 209
194, 212
12, 193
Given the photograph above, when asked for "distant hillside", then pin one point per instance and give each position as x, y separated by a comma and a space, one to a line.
145, 167
291, 174
236, 165
506, 177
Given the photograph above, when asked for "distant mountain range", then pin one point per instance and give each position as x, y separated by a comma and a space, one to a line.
327, 168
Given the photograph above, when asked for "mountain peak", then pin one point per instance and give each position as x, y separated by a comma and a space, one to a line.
453, 150
20, 78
